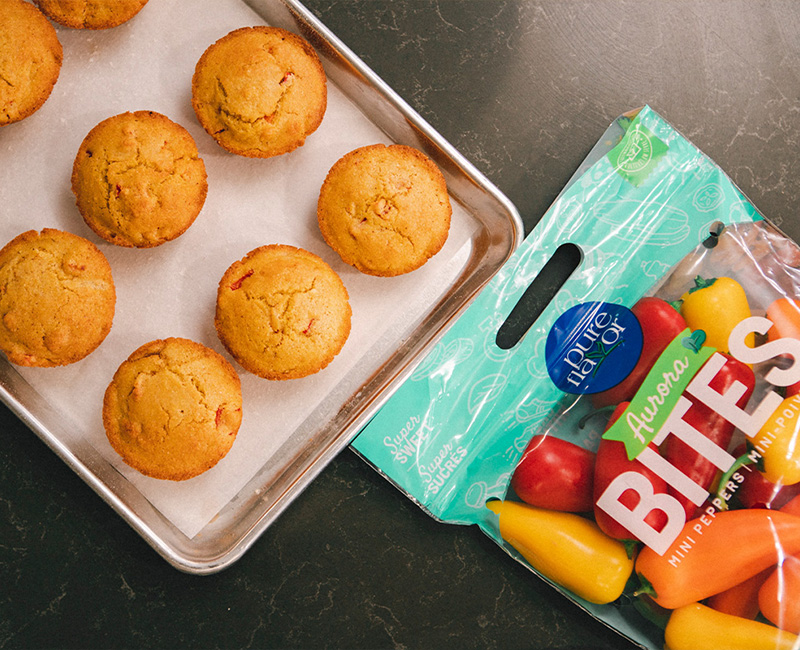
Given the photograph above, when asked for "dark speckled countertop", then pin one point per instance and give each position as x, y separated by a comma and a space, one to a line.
523, 88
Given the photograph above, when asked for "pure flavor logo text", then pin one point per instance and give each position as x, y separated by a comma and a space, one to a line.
592, 346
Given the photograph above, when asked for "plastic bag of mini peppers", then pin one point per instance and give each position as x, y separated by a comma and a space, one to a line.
700, 532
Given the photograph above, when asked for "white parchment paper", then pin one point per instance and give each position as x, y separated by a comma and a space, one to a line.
147, 64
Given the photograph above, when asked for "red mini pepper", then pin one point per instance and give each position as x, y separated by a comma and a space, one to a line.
612, 460
660, 323
555, 474
792, 506
712, 425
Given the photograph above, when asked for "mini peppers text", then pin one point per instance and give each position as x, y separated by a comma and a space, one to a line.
726, 404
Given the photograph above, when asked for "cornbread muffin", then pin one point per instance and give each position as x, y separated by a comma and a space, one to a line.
57, 298
282, 312
259, 91
138, 179
30, 60
384, 209
91, 14
173, 409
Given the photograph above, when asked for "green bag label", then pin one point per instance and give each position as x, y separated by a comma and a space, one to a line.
660, 391
637, 154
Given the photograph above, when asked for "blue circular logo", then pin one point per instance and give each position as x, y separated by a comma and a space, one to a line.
592, 347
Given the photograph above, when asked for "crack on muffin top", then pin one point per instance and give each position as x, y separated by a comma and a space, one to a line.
57, 298
282, 312
259, 91
173, 409
138, 179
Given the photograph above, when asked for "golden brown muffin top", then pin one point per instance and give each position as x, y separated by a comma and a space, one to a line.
259, 91
282, 312
384, 209
30, 60
173, 409
138, 179
91, 14
57, 298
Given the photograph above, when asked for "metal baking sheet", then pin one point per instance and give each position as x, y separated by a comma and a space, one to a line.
488, 222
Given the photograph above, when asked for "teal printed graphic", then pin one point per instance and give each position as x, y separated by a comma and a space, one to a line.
637, 155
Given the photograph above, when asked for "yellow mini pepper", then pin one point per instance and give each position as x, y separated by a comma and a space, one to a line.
566, 548
716, 306
778, 442
696, 626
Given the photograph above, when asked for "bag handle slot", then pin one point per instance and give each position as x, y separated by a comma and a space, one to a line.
540, 292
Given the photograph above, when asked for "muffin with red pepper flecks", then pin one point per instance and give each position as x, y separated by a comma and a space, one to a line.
259, 91
30, 60
282, 312
57, 298
91, 14
173, 409
138, 179
384, 209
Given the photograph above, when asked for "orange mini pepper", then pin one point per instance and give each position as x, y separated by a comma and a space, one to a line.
785, 316
741, 599
779, 596
707, 558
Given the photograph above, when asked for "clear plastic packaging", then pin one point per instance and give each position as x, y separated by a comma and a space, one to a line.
618, 408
